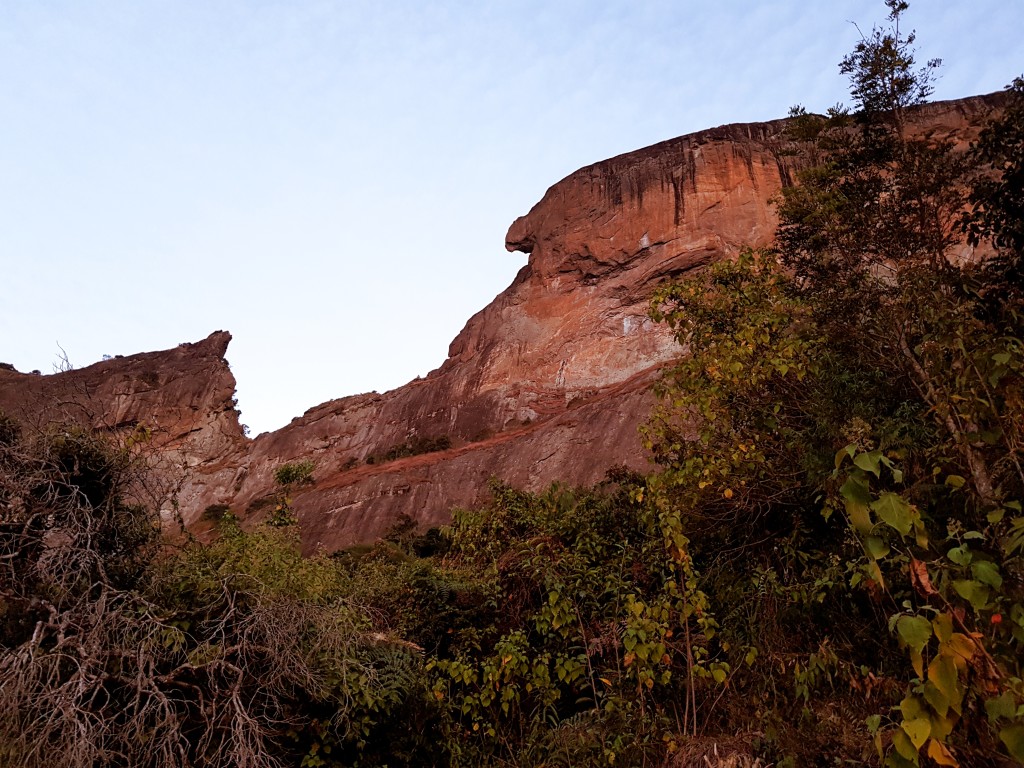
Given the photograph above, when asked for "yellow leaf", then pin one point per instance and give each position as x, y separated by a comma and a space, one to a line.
942, 625
918, 661
918, 730
904, 746
942, 673
942, 726
912, 708
962, 646
727, 493
937, 751
1013, 737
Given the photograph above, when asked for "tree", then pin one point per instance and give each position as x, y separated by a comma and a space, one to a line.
875, 377
870, 233
883, 80
870, 237
997, 197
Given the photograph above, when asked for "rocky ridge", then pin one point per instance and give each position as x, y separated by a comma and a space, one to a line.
548, 382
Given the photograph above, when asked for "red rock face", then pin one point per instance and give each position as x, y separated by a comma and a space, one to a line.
183, 396
548, 382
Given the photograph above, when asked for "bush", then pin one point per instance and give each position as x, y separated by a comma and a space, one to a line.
241, 652
414, 447
295, 473
216, 512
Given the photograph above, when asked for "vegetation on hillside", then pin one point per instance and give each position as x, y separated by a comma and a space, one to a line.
826, 566
412, 447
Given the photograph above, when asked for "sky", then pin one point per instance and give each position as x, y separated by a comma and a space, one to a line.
332, 180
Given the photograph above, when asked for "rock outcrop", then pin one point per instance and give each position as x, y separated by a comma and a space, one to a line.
182, 397
549, 381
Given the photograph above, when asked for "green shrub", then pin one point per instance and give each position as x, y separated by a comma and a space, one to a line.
295, 474
216, 512
414, 447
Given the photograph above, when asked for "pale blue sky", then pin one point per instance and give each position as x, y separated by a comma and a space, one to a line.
332, 181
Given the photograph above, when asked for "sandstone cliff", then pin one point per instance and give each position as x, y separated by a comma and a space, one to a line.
549, 381
184, 397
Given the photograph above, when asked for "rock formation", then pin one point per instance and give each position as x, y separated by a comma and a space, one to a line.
548, 382
184, 397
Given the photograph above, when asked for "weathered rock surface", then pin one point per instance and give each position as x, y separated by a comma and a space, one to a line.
183, 396
549, 381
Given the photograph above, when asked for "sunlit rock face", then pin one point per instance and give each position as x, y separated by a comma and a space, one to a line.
548, 382
178, 406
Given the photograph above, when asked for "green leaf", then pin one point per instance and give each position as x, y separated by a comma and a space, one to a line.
844, 453
894, 511
856, 488
936, 698
869, 462
960, 555
942, 625
904, 746
973, 592
1013, 737
860, 517
987, 573
912, 708
876, 547
914, 631
857, 497
1004, 706
955, 481
873, 722
1015, 537
942, 674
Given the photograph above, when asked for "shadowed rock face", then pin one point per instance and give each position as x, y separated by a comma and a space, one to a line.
548, 382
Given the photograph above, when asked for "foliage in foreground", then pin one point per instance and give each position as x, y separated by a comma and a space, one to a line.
834, 519
117, 651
